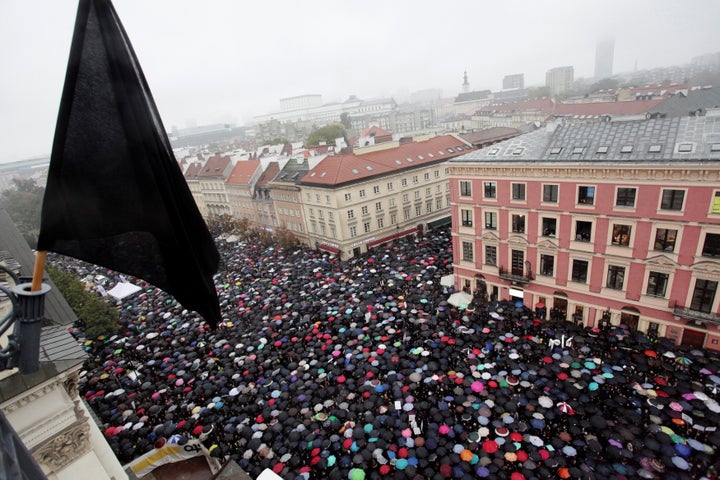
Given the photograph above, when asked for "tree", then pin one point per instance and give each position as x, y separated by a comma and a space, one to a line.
326, 134
23, 203
345, 120
99, 317
285, 238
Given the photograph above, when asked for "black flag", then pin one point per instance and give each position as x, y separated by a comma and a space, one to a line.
115, 195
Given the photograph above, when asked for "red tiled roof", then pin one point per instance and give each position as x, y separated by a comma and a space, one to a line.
375, 131
192, 170
269, 174
215, 166
340, 169
243, 172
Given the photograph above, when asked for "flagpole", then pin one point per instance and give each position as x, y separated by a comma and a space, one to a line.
40, 257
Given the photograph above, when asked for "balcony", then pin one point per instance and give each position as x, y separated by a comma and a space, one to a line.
696, 315
515, 278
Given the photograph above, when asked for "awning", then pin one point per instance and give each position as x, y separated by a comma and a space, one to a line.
392, 237
440, 222
329, 248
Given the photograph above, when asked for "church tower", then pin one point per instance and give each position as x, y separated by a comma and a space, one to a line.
466, 84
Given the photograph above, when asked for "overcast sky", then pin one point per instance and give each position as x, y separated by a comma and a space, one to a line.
229, 60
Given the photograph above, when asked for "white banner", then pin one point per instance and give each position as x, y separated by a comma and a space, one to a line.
172, 452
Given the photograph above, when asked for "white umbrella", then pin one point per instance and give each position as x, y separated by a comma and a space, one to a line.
460, 299
447, 280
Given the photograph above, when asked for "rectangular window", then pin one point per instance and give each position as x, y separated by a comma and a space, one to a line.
364, 210
465, 188
428, 191
715, 208
518, 223
438, 203
333, 232
317, 197
426, 175
550, 193
381, 222
491, 255
490, 190
392, 202
672, 199
403, 182
393, 218
547, 265
615, 277
703, 295
711, 247
331, 217
415, 179
348, 197
518, 191
467, 252
353, 231
625, 197
437, 173
366, 227
351, 214
583, 231
417, 194
467, 219
327, 199
491, 220
376, 189
665, 239
322, 229
586, 195
362, 193
418, 210
321, 214
389, 186
406, 213
517, 262
549, 227
312, 212
621, 235
428, 206
378, 206
406, 198
579, 271
657, 284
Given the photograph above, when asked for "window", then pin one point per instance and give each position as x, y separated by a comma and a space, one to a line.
380, 222
353, 231
625, 197
403, 182
376, 189
392, 202
602, 149
378, 206
317, 197
467, 218
364, 210
406, 213
321, 214
715, 208
672, 199
583, 231
438, 203
322, 229
393, 218
490, 255
406, 198
517, 262
331, 217
467, 252
348, 197
491, 220
586, 194
518, 223
351, 214
465, 188
389, 186
615, 277
428, 206
366, 227
415, 179
490, 190
547, 265
362, 193
626, 149
621, 235
549, 226
518, 191
418, 210
665, 239
426, 176
428, 191
437, 173
417, 194
550, 193
654, 148
333, 232
703, 295
657, 284
711, 247
312, 212
579, 271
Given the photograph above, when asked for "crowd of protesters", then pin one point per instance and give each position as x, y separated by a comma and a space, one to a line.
355, 369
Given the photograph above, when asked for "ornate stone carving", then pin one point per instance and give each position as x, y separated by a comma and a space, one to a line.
65, 447
71, 386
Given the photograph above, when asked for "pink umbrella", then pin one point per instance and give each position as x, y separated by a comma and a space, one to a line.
477, 387
444, 429
179, 382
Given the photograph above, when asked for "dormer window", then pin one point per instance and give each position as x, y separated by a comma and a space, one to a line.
654, 148
555, 150
603, 149
626, 149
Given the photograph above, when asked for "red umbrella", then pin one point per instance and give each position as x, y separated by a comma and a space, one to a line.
490, 446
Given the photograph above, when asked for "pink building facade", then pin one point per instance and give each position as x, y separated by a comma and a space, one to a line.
615, 222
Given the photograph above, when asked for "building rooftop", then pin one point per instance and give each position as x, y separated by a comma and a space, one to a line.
243, 172
664, 140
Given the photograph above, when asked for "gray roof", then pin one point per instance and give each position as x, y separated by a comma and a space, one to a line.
58, 349
664, 140
680, 105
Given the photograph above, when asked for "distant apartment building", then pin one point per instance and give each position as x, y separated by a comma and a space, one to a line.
560, 79
605, 222
286, 195
263, 201
191, 177
514, 81
240, 187
352, 203
604, 55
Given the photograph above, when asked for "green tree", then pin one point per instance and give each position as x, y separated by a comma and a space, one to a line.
326, 134
99, 317
345, 120
23, 202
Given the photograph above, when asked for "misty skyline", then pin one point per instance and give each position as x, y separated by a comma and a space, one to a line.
226, 61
